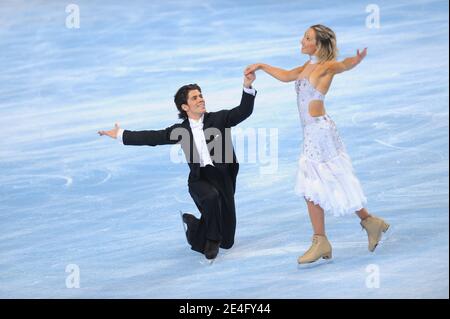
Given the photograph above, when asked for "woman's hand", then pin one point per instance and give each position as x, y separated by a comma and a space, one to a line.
361, 55
111, 133
252, 68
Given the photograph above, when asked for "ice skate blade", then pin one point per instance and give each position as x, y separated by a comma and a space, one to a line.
184, 225
207, 262
386, 236
318, 263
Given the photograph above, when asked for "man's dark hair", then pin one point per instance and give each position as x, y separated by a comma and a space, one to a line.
181, 98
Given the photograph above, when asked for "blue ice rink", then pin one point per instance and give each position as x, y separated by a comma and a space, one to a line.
68, 196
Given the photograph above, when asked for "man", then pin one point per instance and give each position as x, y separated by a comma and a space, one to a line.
206, 142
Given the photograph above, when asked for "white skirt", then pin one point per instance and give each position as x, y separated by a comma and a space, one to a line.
325, 173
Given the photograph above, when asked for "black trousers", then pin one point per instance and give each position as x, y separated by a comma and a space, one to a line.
214, 196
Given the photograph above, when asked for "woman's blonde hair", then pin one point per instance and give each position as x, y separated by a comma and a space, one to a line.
325, 42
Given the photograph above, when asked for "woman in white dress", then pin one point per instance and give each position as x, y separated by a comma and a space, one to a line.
325, 175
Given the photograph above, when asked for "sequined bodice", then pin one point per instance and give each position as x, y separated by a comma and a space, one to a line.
305, 94
321, 140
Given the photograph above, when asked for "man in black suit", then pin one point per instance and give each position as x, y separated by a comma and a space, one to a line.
206, 142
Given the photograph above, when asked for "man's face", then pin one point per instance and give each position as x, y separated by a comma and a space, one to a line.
195, 106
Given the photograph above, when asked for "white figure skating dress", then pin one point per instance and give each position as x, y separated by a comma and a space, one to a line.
325, 174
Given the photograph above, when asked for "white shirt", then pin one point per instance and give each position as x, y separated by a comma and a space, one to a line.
200, 141
199, 136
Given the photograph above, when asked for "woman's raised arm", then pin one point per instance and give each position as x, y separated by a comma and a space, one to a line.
336, 67
277, 73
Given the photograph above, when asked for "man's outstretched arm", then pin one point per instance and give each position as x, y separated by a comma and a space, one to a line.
150, 138
245, 108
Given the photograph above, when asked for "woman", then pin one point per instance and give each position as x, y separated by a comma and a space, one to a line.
325, 175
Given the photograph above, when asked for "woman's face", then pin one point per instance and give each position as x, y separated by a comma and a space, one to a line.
309, 42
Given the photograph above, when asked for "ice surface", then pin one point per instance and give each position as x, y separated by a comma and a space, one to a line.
68, 196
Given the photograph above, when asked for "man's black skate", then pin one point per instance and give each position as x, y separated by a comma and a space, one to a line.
188, 220
211, 249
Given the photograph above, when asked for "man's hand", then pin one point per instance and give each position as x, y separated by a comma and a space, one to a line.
111, 133
248, 79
